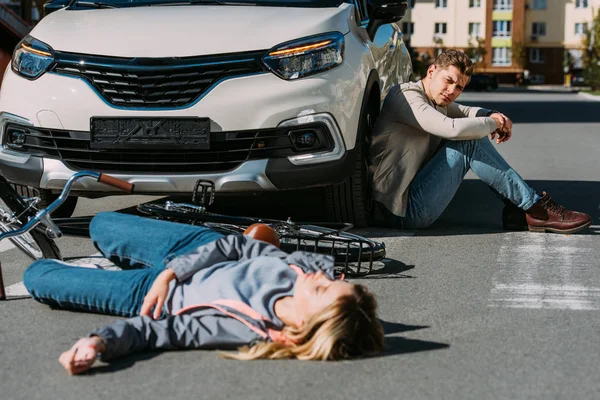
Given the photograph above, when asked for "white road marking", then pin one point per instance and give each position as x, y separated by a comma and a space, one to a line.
545, 271
6, 245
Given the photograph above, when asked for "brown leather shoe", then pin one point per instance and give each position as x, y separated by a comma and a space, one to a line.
547, 216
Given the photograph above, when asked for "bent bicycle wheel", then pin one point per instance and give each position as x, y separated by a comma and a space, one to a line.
35, 244
353, 254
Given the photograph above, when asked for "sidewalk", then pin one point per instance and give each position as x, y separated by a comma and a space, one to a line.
542, 88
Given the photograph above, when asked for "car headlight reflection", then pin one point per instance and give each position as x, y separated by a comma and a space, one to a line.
300, 58
32, 58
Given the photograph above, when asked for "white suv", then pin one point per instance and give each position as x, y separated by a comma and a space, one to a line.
255, 95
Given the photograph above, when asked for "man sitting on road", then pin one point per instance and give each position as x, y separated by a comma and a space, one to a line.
424, 144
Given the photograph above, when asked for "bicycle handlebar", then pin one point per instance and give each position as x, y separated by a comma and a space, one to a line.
43, 215
116, 182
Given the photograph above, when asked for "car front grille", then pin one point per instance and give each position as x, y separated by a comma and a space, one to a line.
227, 150
156, 82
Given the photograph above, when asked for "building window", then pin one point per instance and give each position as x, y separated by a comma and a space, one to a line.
501, 56
441, 3
539, 5
581, 3
538, 79
408, 28
440, 28
503, 5
474, 29
502, 28
536, 55
538, 29
475, 3
580, 28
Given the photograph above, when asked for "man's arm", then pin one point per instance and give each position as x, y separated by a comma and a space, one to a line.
456, 110
415, 110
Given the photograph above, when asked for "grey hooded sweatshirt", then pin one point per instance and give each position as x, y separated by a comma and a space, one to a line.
234, 270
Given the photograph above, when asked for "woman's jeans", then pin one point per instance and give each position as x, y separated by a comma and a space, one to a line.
436, 183
141, 246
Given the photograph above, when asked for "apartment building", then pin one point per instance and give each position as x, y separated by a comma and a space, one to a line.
529, 37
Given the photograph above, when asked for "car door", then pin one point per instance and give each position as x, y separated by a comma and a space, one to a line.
385, 47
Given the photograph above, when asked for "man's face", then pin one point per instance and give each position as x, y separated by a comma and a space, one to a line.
446, 84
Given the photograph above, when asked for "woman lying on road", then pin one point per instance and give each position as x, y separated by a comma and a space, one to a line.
195, 288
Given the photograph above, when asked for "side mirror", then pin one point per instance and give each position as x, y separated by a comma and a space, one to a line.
52, 5
384, 12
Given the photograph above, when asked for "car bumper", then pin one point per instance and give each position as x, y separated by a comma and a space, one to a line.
302, 171
260, 101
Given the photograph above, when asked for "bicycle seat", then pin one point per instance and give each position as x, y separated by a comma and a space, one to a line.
263, 232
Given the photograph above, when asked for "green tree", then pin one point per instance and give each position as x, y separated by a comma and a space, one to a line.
519, 54
591, 53
476, 52
419, 64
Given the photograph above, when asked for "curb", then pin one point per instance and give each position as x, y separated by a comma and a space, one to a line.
589, 96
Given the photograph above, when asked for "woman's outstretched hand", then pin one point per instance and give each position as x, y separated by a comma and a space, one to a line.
157, 294
82, 355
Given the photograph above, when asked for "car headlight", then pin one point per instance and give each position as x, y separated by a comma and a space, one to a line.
32, 58
303, 57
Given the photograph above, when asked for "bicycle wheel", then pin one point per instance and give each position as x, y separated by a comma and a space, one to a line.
35, 244
353, 254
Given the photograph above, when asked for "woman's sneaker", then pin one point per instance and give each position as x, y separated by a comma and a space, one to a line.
547, 216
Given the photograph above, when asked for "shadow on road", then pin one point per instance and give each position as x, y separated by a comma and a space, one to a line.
528, 112
476, 209
392, 269
395, 345
391, 328
123, 363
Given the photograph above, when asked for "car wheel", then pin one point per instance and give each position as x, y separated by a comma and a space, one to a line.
350, 200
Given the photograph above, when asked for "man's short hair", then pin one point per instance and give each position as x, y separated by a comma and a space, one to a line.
455, 58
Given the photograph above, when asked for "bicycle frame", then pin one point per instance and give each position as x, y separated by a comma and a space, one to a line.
42, 217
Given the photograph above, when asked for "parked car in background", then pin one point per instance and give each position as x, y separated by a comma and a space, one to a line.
577, 78
482, 82
255, 95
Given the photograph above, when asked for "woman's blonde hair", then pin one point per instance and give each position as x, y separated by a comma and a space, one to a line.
347, 328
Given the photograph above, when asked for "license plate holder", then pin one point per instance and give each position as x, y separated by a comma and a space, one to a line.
149, 133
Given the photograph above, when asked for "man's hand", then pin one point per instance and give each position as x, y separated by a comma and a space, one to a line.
82, 355
157, 294
504, 127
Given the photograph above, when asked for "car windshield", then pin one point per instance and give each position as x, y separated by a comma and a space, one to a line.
139, 3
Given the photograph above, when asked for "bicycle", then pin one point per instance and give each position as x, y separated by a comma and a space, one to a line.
33, 231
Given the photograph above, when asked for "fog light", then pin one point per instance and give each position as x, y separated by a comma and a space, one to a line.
17, 138
305, 139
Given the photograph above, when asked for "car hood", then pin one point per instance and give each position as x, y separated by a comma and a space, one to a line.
185, 30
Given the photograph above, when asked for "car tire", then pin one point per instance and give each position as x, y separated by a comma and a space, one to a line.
350, 200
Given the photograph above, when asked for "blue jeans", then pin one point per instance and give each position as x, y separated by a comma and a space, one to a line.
436, 183
141, 246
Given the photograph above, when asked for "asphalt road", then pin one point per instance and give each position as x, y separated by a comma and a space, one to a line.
470, 311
